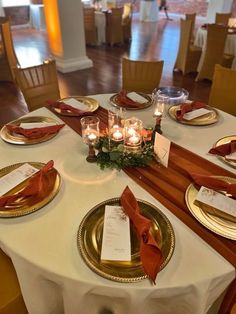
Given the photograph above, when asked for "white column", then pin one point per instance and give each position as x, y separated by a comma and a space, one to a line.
1, 9
65, 28
217, 6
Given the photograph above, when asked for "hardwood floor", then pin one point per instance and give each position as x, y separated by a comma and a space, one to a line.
150, 40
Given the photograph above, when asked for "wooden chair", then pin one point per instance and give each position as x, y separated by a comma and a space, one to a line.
38, 84
8, 58
89, 26
127, 21
141, 76
222, 18
192, 17
222, 94
214, 53
188, 55
114, 32
11, 300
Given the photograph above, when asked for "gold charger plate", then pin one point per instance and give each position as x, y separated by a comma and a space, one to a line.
90, 104
206, 119
115, 103
32, 203
223, 141
220, 226
89, 240
20, 139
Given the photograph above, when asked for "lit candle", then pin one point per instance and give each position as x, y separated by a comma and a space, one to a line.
131, 131
117, 135
157, 113
92, 137
134, 139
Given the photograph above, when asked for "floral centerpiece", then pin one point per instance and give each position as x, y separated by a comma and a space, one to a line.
116, 156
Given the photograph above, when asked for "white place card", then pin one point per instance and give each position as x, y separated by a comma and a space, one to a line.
196, 113
35, 125
223, 205
162, 149
116, 235
74, 103
15, 177
231, 156
136, 97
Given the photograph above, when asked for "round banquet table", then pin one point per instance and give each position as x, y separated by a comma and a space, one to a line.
230, 45
43, 245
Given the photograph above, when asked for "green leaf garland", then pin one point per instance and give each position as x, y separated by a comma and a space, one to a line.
116, 157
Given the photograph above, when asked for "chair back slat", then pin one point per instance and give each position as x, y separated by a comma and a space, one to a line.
214, 53
222, 18
222, 94
141, 76
8, 58
90, 26
38, 84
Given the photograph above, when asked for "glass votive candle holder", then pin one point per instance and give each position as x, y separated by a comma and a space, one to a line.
116, 124
90, 135
90, 129
133, 134
160, 104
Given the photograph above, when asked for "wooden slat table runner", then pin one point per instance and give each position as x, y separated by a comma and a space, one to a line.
168, 185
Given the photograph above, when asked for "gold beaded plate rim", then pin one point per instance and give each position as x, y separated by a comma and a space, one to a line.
20, 139
90, 104
223, 141
89, 239
220, 226
30, 205
114, 102
207, 119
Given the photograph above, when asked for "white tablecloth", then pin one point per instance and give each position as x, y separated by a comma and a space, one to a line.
149, 11
53, 277
230, 45
100, 21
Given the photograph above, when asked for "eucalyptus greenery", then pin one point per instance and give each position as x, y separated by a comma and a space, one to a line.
115, 156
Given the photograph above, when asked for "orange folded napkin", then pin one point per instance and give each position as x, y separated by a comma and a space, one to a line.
184, 108
225, 149
34, 133
150, 253
67, 108
35, 186
125, 101
214, 183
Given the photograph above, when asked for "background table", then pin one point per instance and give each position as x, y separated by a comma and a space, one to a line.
100, 21
43, 248
230, 45
149, 11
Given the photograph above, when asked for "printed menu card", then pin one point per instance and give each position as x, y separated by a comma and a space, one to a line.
15, 177
116, 244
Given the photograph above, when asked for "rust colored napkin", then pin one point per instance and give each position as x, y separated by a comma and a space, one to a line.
225, 149
150, 254
67, 108
184, 108
35, 133
35, 186
214, 183
125, 101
